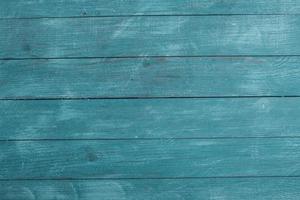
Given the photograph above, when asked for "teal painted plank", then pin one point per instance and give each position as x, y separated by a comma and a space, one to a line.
150, 118
150, 36
67, 8
149, 158
150, 77
191, 189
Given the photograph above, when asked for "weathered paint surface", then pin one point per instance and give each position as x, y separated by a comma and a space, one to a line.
83, 8
157, 158
150, 36
150, 77
149, 99
150, 118
150, 189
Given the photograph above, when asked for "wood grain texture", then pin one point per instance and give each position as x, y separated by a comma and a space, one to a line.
71, 8
214, 189
150, 118
121, 139
149, 158
150, 77
150, 36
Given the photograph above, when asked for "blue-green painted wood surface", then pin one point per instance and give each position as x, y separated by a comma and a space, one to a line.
159, 158
150, 36
150, 118
73, 8
61, 124
149, 189
150, 77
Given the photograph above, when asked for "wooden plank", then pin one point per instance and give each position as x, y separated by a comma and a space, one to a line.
150, 77
234, 189
150, 36
149, 158
150, 118
71, 8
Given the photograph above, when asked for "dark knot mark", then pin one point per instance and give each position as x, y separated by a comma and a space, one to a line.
90, 156
26, 47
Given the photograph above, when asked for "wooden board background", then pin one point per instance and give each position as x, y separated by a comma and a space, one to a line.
88, 8
150, 36
136, 99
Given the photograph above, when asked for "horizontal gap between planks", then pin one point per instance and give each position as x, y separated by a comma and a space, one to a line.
144, 178
137, 97
134, 139
147, 15
141, 57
